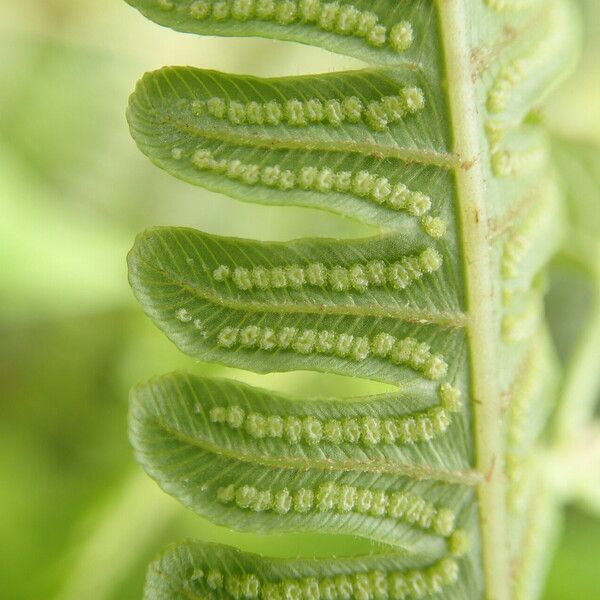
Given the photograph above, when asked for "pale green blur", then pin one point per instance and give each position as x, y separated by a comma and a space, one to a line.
78, 519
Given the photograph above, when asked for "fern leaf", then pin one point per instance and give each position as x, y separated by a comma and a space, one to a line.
211, 129
244, 451
208, 571
385, 33
435, 145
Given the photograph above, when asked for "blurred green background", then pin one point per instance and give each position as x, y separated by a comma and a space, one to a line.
78, 519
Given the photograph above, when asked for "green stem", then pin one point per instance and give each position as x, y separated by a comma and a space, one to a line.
482, 329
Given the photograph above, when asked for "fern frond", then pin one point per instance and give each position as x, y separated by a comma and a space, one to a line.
435, 144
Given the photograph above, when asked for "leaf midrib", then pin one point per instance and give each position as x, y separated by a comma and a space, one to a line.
458, 476
246, 137
446, 319
482, 331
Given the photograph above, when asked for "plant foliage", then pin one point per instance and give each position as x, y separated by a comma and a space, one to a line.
435, 143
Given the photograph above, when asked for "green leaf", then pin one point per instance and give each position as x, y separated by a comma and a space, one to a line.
211, 129
195, 570
318, 304
384, 32
436, 145
241, 451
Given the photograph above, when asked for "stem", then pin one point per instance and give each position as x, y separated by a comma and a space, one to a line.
482, 328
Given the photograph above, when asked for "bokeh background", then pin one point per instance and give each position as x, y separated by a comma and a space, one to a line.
78, 519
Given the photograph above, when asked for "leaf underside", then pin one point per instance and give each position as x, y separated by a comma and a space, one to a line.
381, 145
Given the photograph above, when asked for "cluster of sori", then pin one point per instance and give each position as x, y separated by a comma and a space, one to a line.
521, 325
518, 163
365, 430
508, 78
505, 87
361, 184
511, 162
407, 351
522, 300
523, 237
527, 393
376, 114
357, 277
332, 497
363, 585
341, 19
185, 316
